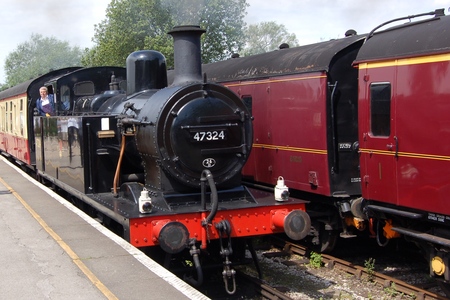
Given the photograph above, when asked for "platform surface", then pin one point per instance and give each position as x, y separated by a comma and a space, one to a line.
51, 250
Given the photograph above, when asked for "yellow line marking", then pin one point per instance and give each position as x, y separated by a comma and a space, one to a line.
406, 61
76, 260
262, 81
405, 154
288, 148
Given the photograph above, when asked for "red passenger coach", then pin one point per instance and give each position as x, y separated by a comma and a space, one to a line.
404, 132
404, 105
304, 103
360, 127
13, 131
278, 149
292, 99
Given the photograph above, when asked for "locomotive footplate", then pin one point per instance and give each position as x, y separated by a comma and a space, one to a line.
250, 212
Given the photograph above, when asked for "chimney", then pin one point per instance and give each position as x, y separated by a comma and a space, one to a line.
187, 54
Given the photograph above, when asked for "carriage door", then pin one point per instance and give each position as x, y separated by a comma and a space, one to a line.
378, 140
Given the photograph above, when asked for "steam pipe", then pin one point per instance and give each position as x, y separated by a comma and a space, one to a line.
119, 163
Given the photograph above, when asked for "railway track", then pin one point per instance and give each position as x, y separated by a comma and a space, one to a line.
263, 289
359, 272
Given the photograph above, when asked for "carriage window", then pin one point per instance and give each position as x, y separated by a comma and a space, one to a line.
65, 97
380, 109
248, 103
22, 122
10, 117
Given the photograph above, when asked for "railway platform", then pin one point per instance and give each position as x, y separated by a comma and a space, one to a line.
51, 250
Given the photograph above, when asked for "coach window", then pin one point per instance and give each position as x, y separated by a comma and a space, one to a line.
22, 120
10, 118
380, 108
5, 119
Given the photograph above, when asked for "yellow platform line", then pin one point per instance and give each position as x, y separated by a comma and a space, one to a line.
76, 260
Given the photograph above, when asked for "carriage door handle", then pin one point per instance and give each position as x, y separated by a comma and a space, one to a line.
391, 146
396, 145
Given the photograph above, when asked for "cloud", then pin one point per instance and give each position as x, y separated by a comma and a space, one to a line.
71, 21
310, 20
315, 20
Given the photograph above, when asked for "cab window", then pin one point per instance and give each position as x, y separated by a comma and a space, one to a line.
65, 97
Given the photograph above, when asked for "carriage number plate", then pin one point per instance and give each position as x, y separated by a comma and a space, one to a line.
215, 135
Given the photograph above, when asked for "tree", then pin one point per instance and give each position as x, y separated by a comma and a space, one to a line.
224, 24
267, 36
38, 56
132, 25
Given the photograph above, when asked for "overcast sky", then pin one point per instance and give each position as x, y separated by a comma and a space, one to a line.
311, 20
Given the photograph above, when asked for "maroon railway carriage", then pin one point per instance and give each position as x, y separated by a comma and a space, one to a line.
404, 133
304, 103
360, 127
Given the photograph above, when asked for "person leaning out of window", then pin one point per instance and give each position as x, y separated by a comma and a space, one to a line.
46, 103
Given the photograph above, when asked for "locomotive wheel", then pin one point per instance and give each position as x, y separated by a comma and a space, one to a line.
327, 240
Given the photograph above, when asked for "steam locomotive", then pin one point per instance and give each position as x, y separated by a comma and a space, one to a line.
161, 165
359, 126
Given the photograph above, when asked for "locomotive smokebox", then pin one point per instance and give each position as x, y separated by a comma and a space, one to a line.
191, 126
146, 70
187, 54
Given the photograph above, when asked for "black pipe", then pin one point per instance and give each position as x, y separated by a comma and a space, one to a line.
91, 187
198, 267
214, 197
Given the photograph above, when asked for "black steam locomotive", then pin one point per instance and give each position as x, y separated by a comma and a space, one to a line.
159, 164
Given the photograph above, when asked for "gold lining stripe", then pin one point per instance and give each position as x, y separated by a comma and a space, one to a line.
287, 148
406, 154
256, 81
406, 61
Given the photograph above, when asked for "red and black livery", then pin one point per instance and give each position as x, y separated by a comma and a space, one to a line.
160, 163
